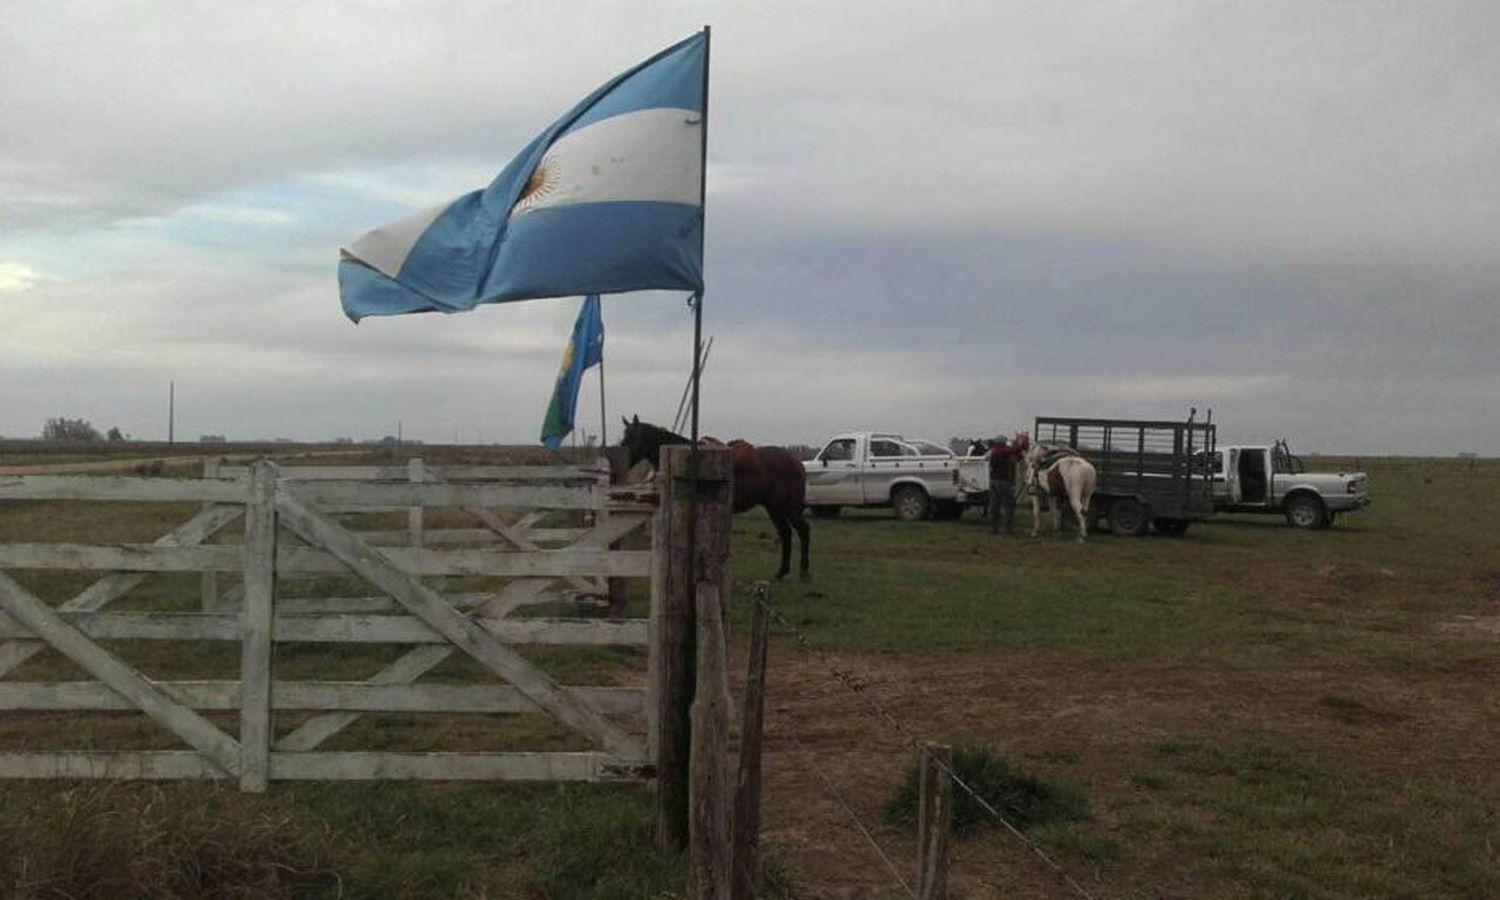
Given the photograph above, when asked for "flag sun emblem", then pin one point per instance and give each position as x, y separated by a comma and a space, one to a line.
543, 181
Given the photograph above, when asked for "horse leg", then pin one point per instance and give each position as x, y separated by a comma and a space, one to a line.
1036, 515
1057, 508
784, 532
1083, 529
804, 537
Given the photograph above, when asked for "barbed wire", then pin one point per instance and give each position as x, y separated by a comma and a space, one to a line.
853, 816
760, 591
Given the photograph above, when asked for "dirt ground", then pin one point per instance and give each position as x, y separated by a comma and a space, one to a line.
1106, 716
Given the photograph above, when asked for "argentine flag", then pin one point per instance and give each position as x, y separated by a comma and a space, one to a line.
606, 200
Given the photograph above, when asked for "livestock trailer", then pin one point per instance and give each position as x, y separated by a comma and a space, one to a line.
1151, 474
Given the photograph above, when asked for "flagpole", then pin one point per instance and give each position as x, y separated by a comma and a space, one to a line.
702, 236
603, 418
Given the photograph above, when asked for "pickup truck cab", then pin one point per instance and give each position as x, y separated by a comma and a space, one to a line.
916, 478
1270, 479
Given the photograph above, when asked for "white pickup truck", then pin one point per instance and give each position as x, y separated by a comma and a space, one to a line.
915, 478
1260, 479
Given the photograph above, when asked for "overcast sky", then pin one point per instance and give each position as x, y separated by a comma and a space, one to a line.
938, 218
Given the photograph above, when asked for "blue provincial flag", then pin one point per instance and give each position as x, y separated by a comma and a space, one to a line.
585, 349
606, 200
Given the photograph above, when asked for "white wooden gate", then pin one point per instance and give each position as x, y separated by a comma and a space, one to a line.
291, 528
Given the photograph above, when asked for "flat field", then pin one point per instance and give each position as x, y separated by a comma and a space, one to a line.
1248, 711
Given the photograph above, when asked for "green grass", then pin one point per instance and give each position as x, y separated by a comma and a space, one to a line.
348, 841
1314, 828
1023, 799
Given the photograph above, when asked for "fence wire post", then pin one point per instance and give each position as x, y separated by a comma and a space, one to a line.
746, 853
934, 820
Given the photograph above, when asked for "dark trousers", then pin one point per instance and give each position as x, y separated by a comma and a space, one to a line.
1002, 506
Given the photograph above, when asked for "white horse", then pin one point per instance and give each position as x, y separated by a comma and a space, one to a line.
1055, 475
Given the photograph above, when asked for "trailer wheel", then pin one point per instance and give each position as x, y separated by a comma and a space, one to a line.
1127, 517
1170, 527
910, 503
1305, 511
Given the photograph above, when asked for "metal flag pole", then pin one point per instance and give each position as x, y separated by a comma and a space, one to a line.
603, 418
702, 237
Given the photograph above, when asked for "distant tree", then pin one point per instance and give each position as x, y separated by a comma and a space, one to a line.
802, 451
212, 439
73, 430
114, 436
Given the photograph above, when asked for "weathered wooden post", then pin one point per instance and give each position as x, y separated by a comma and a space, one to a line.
934, 820
690, 543
415, 517
710, 790
210, 580
256, 628
746, 835
618, 589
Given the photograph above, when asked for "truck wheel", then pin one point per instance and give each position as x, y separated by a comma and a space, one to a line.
910, 503
1305, 511
1170, 527
1127, 518
825, 512
947, 509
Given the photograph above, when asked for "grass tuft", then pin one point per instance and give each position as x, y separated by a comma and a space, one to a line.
1025, 800
110, 841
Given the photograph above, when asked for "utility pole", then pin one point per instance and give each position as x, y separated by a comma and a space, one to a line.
171, 412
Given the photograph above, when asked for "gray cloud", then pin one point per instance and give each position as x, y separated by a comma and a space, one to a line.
943, 220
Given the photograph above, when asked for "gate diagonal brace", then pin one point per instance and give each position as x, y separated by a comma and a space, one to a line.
429, 606
46, 624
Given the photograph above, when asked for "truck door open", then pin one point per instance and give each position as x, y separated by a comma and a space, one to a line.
1232, 475
1254, 476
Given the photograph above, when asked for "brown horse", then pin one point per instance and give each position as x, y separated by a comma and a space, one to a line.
763, 476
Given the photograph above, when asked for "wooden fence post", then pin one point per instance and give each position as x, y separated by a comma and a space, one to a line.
671, 660
210, 580
934, 820
690, 541
746, 836
618, 589
710, 789
256, 628
414, 515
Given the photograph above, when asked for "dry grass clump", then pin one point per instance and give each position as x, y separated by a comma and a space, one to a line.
110, 841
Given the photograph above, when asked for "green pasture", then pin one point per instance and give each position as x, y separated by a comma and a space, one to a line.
1264, 808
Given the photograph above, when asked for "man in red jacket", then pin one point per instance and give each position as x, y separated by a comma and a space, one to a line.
1004, 458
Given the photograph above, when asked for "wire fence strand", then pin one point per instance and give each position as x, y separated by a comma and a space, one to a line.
760, 592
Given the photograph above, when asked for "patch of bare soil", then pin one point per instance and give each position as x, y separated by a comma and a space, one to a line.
1090, 722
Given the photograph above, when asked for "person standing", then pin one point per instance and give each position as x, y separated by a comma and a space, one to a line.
1004, 456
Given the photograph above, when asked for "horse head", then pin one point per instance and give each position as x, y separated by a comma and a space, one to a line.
642, 440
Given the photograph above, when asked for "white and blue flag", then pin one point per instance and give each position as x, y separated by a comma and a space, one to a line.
606, 200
